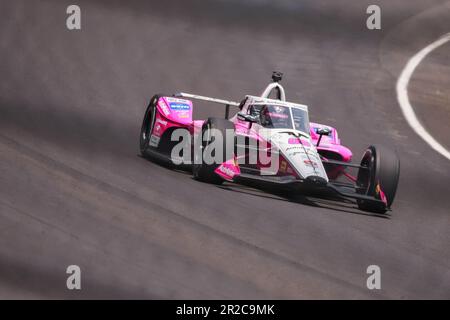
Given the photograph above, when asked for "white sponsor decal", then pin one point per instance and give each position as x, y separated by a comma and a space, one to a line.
226, 171
164, 107
162, 122
177, 100
154, 140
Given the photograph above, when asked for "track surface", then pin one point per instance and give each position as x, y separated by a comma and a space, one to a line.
74, 190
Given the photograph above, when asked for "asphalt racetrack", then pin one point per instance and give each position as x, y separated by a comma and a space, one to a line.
73, 189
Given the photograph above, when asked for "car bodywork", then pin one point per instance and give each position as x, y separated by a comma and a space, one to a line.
311, 157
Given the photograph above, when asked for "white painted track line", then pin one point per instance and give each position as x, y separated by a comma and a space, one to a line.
403, 98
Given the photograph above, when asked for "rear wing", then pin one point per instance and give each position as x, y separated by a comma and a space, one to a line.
220, 101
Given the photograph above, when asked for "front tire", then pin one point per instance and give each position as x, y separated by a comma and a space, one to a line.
201, 170
382, 173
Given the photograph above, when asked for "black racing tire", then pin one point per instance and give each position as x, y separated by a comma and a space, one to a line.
201, 170
383, 170
147, 125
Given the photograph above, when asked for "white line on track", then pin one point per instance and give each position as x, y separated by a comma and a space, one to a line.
403, 98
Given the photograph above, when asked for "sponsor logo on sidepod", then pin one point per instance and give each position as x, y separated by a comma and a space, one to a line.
164, 108
227, 171
179, 106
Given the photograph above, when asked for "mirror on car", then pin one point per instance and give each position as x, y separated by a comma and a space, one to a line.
323, 131
247, 117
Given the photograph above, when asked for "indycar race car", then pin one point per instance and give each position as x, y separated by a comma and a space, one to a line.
269, 141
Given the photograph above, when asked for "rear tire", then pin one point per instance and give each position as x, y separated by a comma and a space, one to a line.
384, 171
203, 171
147, 125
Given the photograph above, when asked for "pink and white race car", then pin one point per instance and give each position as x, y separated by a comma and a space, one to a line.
269, 141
